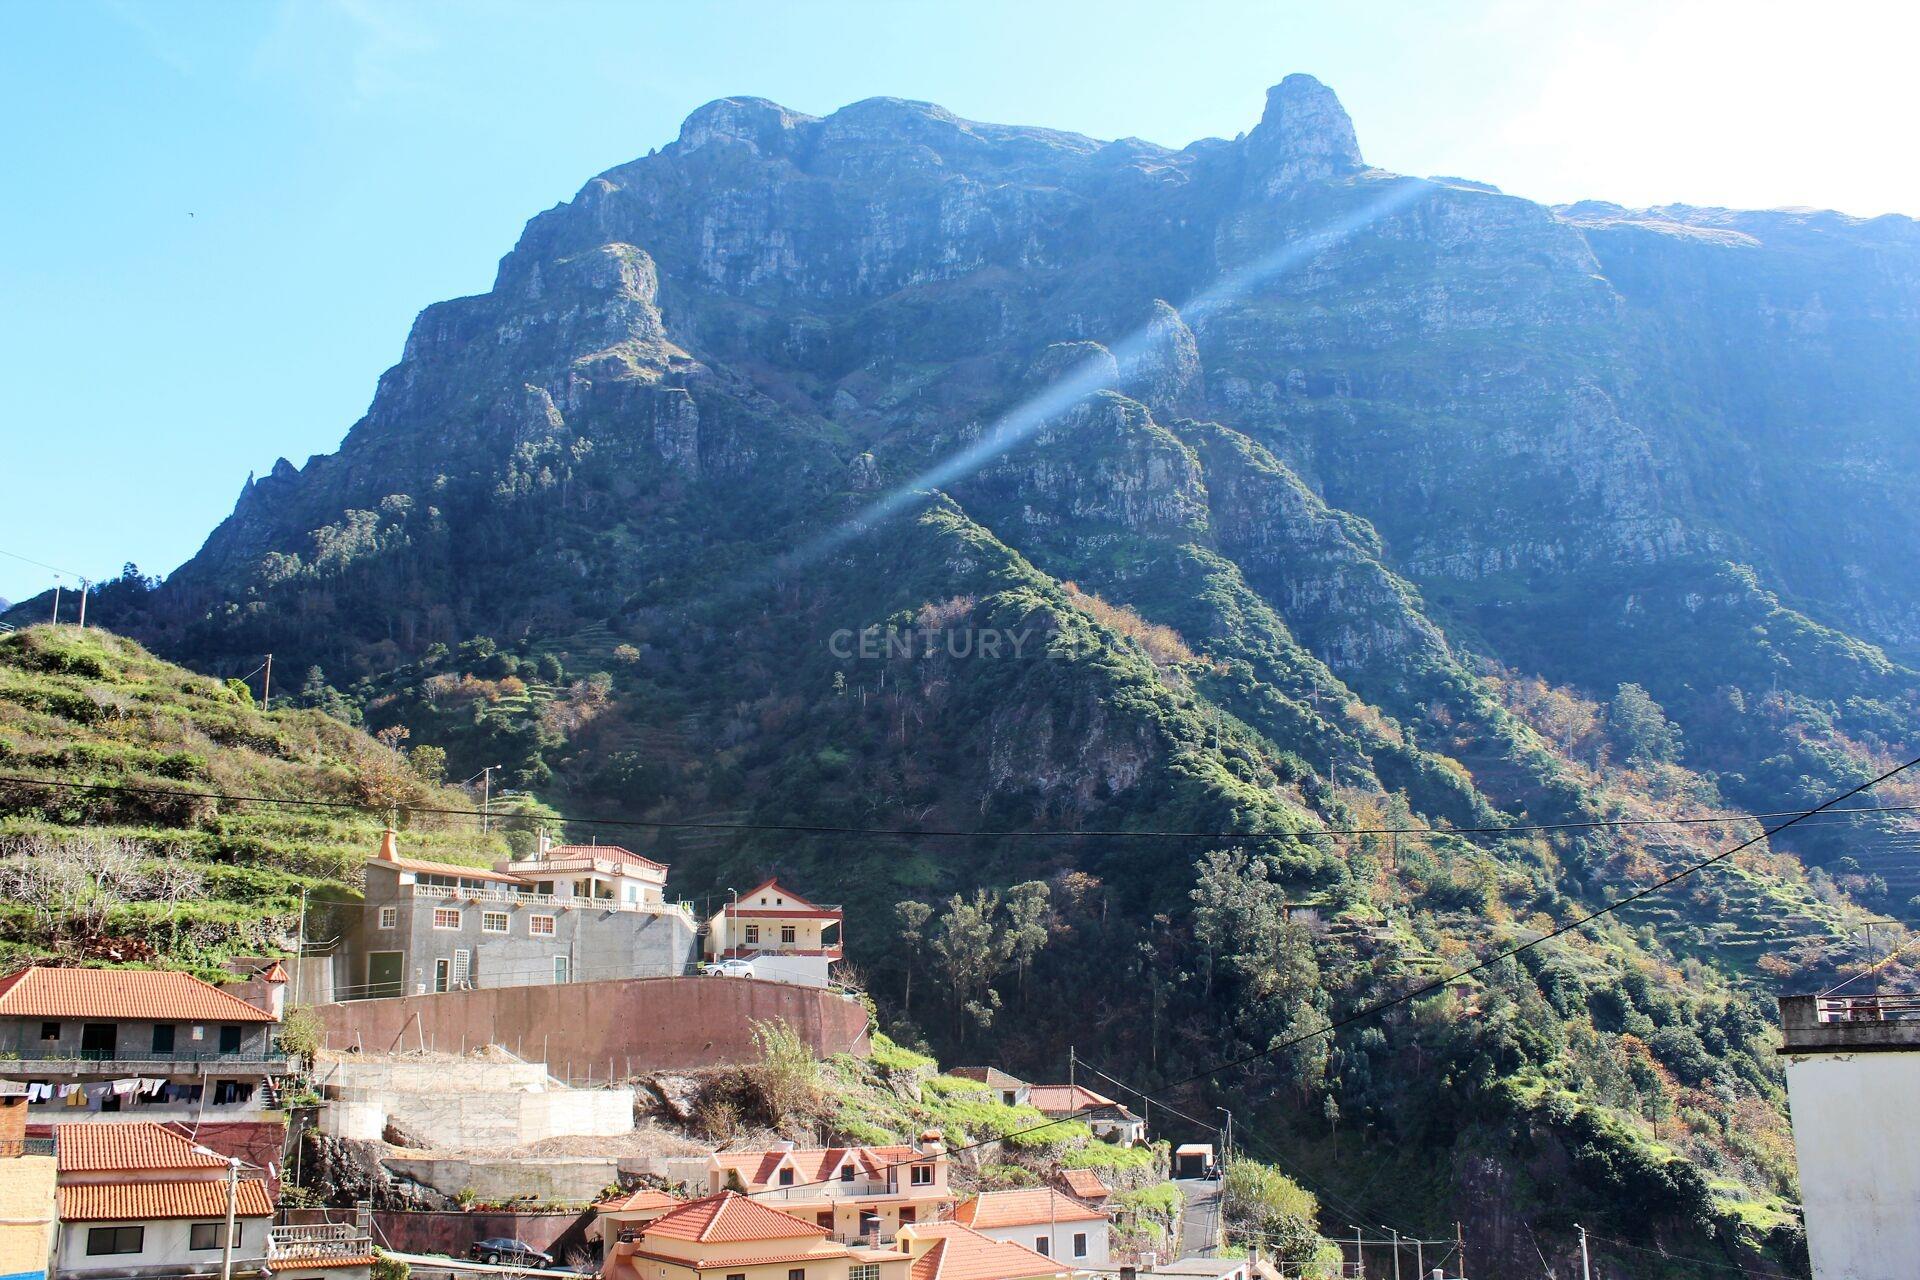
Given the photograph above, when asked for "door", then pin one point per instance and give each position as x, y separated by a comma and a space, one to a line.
97, 1039
442, 974
162, 1039
562, 969
383, 973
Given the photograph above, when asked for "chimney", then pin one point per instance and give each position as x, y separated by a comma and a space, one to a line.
544, 842
389, 846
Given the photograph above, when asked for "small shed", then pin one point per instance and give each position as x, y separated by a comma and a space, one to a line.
1192, 1160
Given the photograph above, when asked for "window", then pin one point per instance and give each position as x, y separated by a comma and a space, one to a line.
846, 1173
1040, 1244
824, 1218
786, 1177
543, 887
562, 970
446, 917
1079, 1244
230, 1039
49, 1031
389, 917
108, 1240
796, 1273
864, 1271
462, 969
787, 934
732, 1275
753, 933
206, 1235
908, 1214
540, 926
163, 1037
493, 922
921, 1175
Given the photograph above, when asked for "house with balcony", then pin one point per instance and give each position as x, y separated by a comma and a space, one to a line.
628, 1212
730, 1237
786, 937
139, 1200
1049, 1222
338, 1249
129, 1044
567, 913
851, 1193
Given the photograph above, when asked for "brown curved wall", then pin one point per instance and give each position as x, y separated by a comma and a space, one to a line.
578, 1028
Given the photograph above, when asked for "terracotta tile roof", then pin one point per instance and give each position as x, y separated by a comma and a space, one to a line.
147, 994
1023, 1208
137, 1201
320, 1262
421, 867
134, 1147
641, 1200
758, 1169
599, 851
961, 1253
730, 1218
993, 1077
1060, 1099
735, 1264
1086, 1184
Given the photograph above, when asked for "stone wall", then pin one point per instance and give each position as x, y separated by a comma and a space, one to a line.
547, 1179
581, 1030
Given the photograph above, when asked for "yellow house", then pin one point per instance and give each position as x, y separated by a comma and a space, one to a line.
732, 1237
852, 1193
628, 1212
27, 1176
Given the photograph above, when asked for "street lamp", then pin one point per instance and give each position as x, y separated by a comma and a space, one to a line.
733, 920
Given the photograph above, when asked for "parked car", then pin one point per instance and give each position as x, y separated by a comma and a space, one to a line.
500, 1250
731, 969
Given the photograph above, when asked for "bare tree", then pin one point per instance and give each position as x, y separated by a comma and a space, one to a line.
71, 883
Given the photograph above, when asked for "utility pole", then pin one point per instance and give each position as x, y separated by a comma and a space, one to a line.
1460, 1247
1396, 1252
56, 601
1420, 1259
1586, 1267
84, 585
233, 1203
1359, 1256
266, 686
1226, 1138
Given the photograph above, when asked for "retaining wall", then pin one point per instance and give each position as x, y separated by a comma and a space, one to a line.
583, 1029
548, 1179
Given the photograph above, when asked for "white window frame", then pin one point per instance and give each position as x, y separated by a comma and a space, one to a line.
389, 917
542, 926
487, 919
562, 969
920, 1175
788, 935
1079, 1244
864, 1271
1043, 1246
440, 914
753, 935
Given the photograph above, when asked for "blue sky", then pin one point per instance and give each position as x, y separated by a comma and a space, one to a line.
220, 218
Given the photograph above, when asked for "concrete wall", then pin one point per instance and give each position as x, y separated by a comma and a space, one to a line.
1061, 1234
585, 1027
26, 1214
455, 1233
1855, 1128
550, 1179
465, 1104
403, 1075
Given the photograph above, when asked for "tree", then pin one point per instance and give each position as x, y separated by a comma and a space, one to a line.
970, 951
1640, 729
71, 884
913, 917
1029, 915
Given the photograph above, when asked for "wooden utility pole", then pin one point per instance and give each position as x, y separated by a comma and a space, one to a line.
1460, 1247
266, 685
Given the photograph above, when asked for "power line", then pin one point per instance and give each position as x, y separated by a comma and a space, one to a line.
41, 564
1698, 1262
791, 828
1406, 997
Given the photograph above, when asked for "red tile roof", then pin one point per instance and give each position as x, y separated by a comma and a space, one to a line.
134, 1147
735, 1264
961, 1253
148, 994
1024, 1208
420, 866
320, 1262
1086, 1184
639, 1201
1060, 1099
729, 1218
599, 851
136, 1201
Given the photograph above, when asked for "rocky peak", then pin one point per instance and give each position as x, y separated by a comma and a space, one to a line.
766, 127
1304, 135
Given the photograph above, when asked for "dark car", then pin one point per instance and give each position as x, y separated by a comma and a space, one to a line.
516, 1253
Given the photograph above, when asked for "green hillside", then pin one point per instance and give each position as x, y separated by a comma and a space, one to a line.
166, 873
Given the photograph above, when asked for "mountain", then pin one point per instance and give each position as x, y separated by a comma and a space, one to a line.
894, 470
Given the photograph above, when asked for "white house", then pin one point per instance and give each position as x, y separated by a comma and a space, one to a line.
139, 1200
1042, 1219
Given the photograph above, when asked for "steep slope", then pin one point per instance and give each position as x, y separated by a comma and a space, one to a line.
896, 470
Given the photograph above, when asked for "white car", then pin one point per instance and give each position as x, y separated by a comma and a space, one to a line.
731, 969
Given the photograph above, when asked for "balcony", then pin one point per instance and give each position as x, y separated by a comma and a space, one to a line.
122, 1062
1849, 1023
563, 902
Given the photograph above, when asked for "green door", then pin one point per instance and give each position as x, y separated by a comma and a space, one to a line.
383, 973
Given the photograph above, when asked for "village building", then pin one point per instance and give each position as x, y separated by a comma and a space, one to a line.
1192, 1160
565, 913
1047, 1221
955, 1251
852, 1193
139, 1200
1011, 1090
332, 1250
28, 1218
1085, 1186
1853, 1070
730, 1237
629, 1212
139, 1044
1108, 1119
784, 936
